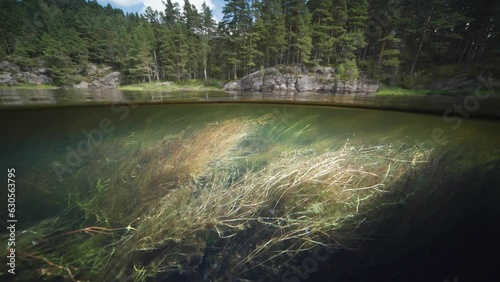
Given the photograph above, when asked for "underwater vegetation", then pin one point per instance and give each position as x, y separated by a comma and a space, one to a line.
222, 201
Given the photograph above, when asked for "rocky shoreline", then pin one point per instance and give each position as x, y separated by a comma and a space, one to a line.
98, 77
317, 79
11, 75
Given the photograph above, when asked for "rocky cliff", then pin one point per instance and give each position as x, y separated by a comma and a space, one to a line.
317, 79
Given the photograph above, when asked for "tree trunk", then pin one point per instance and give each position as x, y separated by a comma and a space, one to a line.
421, 40
156, 65
381, 54
205, 67
235, 74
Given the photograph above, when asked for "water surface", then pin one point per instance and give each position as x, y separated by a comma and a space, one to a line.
102, 165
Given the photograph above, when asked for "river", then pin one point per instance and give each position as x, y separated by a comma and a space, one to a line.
214, 186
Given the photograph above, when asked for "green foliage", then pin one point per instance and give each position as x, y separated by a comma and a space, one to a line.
398, 91
190, 85
214, 83
11, 14
390, 40
304, 40
348, 70
341, 70
30, 86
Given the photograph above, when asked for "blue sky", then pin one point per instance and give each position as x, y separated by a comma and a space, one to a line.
140, 5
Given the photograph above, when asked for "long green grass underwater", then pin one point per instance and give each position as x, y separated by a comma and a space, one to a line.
220, 200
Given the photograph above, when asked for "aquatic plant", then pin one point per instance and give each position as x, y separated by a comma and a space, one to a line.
199, 204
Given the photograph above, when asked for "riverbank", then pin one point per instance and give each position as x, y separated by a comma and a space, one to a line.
198, 85
188, 85
30, 86
398, 91
191, 85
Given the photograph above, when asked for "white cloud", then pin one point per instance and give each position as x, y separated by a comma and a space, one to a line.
158, 4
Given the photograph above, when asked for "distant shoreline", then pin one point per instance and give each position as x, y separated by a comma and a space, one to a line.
172, 87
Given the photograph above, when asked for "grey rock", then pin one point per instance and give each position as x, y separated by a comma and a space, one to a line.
327, 71
7, 79
252, 82
43, 71
288, 78
81, 85
9, 67
233, 86
94, 70
111, 80
31, 78
367, 86
12, 75
165, 83
304, 83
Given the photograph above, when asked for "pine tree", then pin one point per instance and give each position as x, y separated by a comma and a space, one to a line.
270, 30
304, 41
207, 30
191, 24
140, 61
389, 62
356, 23
173, 43
435, 28
236, 25
323, 29
11, 14
299, 32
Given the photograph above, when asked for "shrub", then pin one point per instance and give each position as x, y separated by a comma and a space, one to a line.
348, 70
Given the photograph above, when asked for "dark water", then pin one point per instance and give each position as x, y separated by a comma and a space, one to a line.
438, 222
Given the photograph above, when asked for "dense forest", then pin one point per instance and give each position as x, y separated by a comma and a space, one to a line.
394, 41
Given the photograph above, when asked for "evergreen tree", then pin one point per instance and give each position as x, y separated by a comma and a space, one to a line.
304, 40
140, 61
323, 29
207, 30
388, 39
235, 25
11, 13
356, 23
298, 21
270, 31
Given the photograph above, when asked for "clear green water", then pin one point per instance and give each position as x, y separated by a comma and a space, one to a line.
441, 204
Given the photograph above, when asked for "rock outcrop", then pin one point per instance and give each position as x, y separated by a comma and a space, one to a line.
7, 79
111, 80
9, 67
11, 74
100, 78
318, 79
81, 85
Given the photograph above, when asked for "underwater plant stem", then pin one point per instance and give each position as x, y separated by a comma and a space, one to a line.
52, 264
